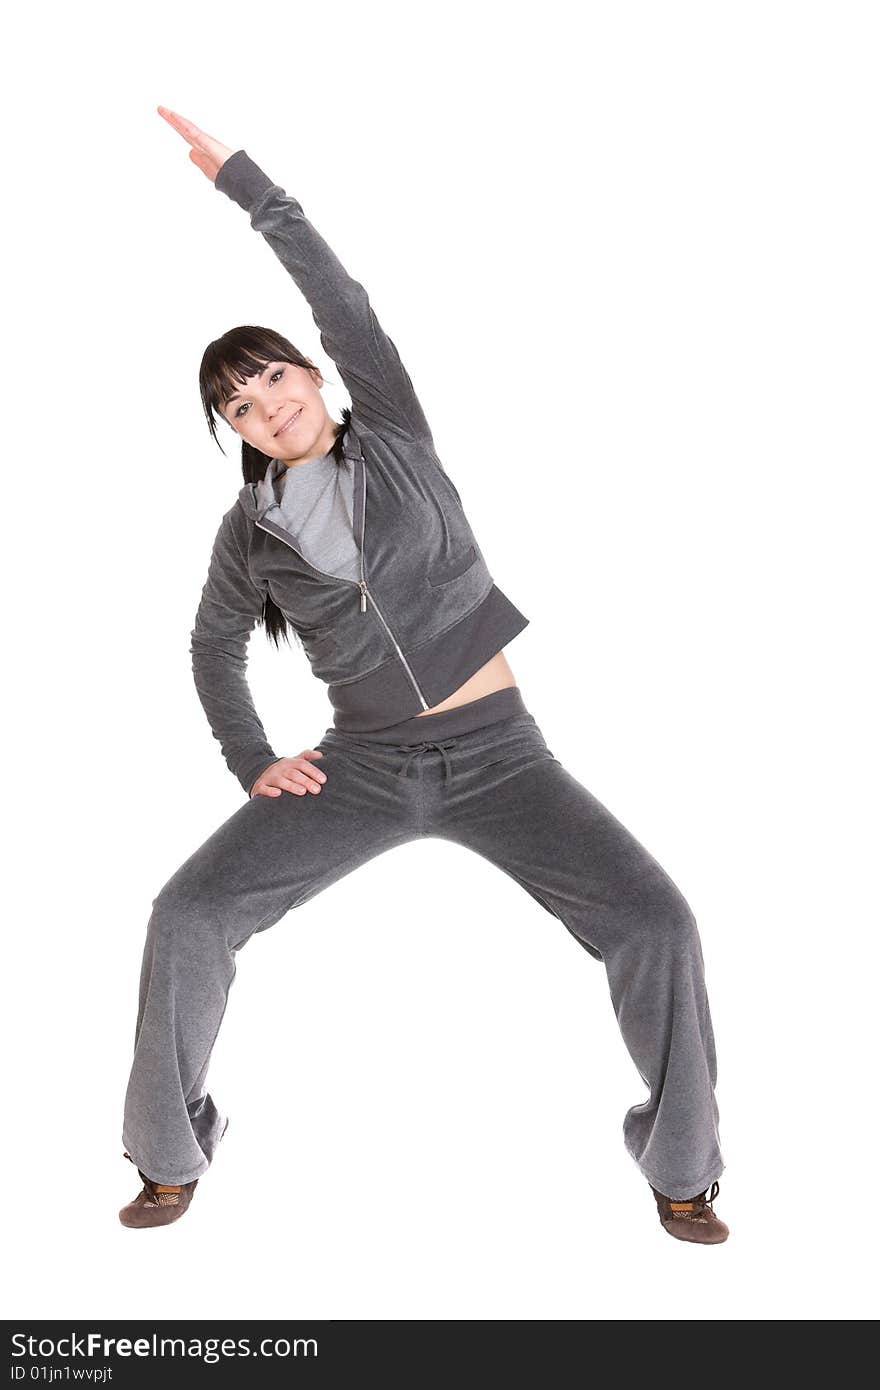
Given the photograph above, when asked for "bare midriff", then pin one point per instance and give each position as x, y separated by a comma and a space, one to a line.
495, 675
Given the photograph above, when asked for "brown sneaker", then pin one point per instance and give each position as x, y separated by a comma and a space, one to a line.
158, 1203
693, 1220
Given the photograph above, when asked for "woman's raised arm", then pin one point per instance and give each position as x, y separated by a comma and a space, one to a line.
381, 391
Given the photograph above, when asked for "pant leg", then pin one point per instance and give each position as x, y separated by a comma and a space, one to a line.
272, 854
510, 800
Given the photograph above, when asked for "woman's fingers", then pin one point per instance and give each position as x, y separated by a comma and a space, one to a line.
294, 775
308, 781
292, 785
314, 771
296, 781
207, 153
199, 139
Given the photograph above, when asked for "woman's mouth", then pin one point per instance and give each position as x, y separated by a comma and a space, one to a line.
290, 423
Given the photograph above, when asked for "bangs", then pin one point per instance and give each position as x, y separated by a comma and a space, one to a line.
226, 377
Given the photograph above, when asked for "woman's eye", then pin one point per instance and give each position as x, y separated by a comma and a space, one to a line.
280, 372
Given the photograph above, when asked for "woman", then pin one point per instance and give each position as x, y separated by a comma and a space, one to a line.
353, 536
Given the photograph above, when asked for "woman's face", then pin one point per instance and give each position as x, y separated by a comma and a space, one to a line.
281, 412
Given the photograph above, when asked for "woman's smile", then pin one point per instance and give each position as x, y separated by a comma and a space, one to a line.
291, 422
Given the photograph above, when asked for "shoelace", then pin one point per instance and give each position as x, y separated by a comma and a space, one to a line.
158, 1193
697, 1205
414, 748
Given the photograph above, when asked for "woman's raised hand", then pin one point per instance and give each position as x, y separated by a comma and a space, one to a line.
206, 152
290, 775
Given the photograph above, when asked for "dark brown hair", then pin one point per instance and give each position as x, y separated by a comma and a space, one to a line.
226, 364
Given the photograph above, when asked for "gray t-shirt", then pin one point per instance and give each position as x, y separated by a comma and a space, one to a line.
317, 504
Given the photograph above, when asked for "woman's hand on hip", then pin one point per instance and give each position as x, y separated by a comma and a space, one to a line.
290, 775
206, 152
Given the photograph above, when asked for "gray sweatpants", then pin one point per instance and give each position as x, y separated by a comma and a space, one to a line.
482, 776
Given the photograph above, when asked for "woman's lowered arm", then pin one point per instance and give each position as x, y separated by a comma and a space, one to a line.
368, 361
228, 611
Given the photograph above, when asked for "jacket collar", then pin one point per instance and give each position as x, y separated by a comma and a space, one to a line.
256, 499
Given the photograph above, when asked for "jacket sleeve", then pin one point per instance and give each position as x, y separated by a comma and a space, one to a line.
368, 362
228, 610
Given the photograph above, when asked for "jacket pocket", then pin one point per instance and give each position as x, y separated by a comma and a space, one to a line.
453, 568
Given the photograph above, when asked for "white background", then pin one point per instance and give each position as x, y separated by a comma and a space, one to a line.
628, 253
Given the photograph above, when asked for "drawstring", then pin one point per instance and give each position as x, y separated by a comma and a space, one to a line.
414, 748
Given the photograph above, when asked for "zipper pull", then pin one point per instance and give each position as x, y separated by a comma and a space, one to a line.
363, 597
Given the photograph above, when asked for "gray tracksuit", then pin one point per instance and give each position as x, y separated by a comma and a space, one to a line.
423, 615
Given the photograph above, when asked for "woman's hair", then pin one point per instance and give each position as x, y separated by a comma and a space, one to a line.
226, 364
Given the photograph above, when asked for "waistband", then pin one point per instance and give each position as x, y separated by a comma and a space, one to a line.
462, 719
424, 731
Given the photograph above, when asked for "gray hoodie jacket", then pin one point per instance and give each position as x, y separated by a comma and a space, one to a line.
425, 613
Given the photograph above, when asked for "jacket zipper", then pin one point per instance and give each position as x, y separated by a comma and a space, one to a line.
362, 586
364, 591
